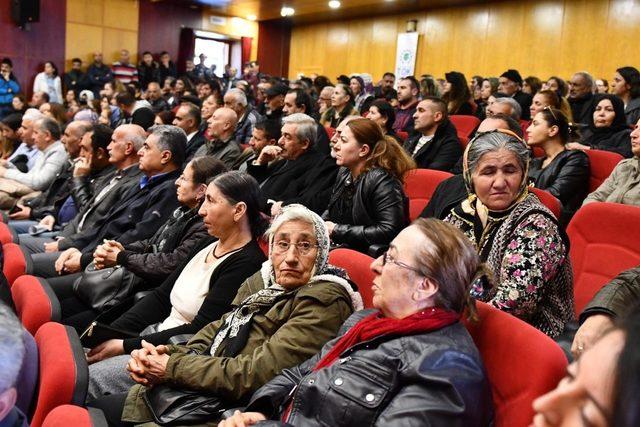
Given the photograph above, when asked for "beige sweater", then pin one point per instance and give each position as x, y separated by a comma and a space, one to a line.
622, 186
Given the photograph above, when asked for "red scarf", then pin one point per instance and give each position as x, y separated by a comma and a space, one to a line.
376, 325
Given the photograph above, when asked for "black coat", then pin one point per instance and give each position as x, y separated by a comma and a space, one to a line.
428, 379
566, 177
83, 188
306, 180
155, 258
524, 99
51, 200
193, 145
447, 195
618, 142
441, 153
379, 209
582, 109
224, 284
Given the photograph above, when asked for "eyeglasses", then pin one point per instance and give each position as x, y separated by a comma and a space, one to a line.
387, 258
282, 246
552, 113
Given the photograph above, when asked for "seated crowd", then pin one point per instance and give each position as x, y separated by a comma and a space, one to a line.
213, 203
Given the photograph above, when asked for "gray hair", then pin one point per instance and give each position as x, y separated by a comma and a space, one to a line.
516, 109
589, 78
240, 96
306, 129
173, 139
11, 348
32, 114
47, 124
494, 141
135, 137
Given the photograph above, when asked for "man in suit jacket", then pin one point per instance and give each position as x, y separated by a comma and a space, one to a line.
436, 145
188, 119
142, 210
303, 174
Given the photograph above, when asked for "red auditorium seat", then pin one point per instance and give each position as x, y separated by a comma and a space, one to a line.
524, 124
465, 125
604, 242
70, 415
464, 141
15, 262
330, 132
419, 185
35, 301
602, 164
522, 363
357, 265
549, 200
403, 135
6, 234
63, 370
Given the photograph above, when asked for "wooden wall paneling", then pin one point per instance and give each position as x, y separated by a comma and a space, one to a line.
336, 50
359, 49
122, 14
543, 34
82, 41
113, 40
383, 38
85, 11
623, 33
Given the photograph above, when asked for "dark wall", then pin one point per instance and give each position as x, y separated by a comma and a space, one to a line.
160, 25
274, 41
30, 49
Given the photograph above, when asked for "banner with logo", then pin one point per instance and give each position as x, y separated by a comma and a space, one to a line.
406, 54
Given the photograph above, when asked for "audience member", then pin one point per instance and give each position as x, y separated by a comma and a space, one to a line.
623, 185
298, 101
626, 84
408, 90
39, 98
49, 82
563, 173
148, 72
531, 85
284, 314
274, 102
548, 98
265, 132
385, 88
489, 87
16, 184
12, 353
55, 111
9, 87
155, 99
19, 103
165, 118
341, 106
26, 155
75, 79
511, 85
302, 175
558, 85
514, 231
166, 67
236, 100
123, 70
381, 112
456, 94
420, 292
608, 129
9, 126
367, 205
602, 86
362, 98
435, 144
428, 86
98, 74
581, 88
188, 119
324, 99
222, 145
504, 105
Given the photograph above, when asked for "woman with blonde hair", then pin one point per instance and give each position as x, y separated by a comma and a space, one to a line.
367, 205
549, 98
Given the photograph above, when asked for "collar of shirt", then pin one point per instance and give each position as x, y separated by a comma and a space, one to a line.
144, 181
191, 135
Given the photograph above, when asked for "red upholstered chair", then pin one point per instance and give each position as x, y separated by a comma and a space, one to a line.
7, 235
524, 124
522, 363
70, 415
602, 164
538, 152
63, 370
35, 301
464, 141
15, 262
604, 242
403, 135
419, 185
549, 200
357, 265
465, 125
330, 132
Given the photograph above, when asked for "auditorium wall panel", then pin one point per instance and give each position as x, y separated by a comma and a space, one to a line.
538, 37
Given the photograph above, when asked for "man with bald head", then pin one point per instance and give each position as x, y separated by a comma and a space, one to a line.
222, 146
26, 155
581, 89
154, 97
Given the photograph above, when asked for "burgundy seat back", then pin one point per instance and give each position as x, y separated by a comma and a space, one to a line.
465, 125
70, 415
419, 186
357, 265
522, 363
548, 200
601, 165
15, 262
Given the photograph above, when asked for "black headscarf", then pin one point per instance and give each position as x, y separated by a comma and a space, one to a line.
619, 122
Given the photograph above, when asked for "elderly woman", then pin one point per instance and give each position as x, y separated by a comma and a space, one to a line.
283, 315
410, 362
563, 173
514, 233
623, 185
341, 106
367, 205
608, 129
200, 289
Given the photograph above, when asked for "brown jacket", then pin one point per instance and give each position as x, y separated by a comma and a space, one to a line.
293, 330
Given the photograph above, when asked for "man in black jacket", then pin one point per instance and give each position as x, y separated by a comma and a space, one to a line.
298, 101
142, 210
436, 146
303, 174
188, 119
581, 88
511, 84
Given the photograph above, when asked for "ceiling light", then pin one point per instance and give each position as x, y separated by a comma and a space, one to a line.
287, 11
252, 17
334, 4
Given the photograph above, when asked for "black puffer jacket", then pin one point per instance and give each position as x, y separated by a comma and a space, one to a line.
378, 213
431, 379
566, 177
155, 258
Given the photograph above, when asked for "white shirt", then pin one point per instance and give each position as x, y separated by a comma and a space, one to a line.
421, 143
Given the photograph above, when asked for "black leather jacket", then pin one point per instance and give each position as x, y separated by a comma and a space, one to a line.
378, 211
617, 297
426, 379
566, 177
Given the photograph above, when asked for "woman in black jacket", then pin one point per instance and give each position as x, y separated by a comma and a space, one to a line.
368, 205
608, 129
563, 173
199, 291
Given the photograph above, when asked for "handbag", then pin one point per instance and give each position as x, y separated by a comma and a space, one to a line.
102, 289
172, 406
